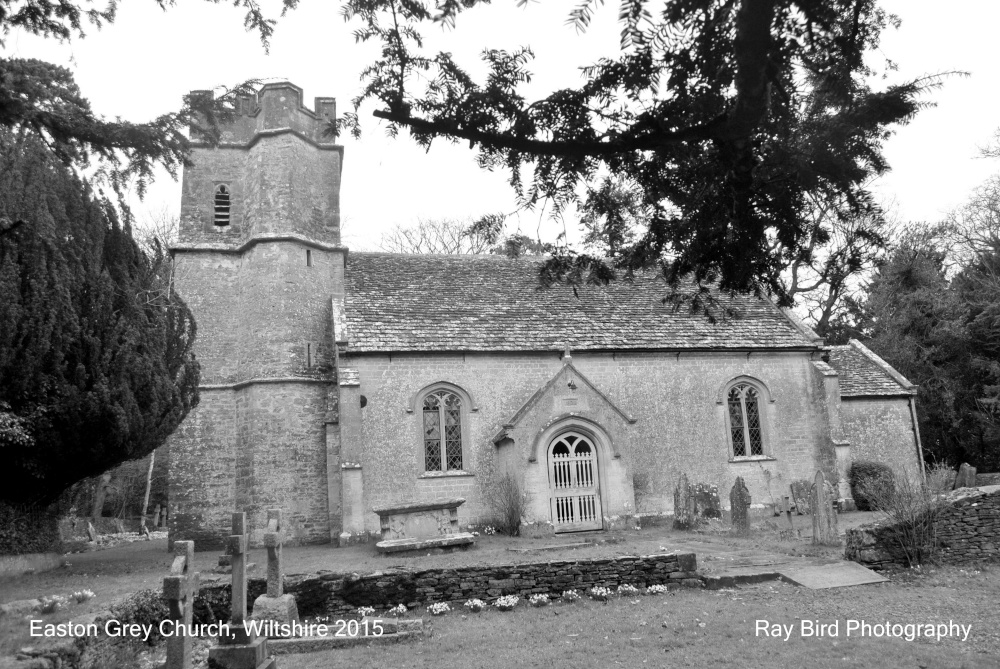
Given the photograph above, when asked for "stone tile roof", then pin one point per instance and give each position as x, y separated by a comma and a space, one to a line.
494, 303
862, 373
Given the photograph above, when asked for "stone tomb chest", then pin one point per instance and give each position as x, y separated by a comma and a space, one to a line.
421, 525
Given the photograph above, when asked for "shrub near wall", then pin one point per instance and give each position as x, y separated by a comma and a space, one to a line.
967, 529
25, 531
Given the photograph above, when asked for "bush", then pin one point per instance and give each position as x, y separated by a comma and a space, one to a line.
911, 511
867, 477
508, 503
28, 530
146, 607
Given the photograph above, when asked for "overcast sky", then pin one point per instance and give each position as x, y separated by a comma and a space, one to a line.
140, 67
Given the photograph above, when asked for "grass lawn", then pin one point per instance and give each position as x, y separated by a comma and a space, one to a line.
542, 636
693, 628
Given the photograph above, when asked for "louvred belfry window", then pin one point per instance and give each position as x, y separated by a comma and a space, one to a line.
222, 205
744, 421
442, 432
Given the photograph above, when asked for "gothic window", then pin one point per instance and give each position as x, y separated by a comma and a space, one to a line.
745, 431
442, 429
222, 204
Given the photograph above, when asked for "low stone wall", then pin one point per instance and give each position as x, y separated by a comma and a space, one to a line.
338, 594
968, 530
29, 563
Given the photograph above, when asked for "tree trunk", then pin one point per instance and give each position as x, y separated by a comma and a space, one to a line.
149, 482
99, 493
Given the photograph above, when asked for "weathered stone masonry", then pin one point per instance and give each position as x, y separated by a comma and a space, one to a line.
968, 528
263, 290
339, 594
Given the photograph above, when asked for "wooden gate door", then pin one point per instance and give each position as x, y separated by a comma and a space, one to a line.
574, 485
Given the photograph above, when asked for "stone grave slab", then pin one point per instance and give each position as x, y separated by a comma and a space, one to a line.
421, 525
400, 545
834, 575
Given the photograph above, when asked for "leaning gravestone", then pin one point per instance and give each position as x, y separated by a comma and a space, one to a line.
739, 504
801, 492
966, 476
823, 516
684, 518
179, 589
275, 605
238, 647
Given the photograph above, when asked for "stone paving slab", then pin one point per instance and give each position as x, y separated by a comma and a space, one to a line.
724, 567
837, 575
553, 547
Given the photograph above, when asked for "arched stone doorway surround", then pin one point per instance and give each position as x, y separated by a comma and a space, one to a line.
612, 492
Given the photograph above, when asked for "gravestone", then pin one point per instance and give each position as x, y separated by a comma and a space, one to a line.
966, 476
706, 501
275, 605
739, 504
823, 516
156, 516
801, 492
179, 589
684, 518
91, 532
238, 648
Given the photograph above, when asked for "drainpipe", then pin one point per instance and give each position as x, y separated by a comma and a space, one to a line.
916, 433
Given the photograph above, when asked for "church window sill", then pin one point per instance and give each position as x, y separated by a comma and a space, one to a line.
446, 475
752, 458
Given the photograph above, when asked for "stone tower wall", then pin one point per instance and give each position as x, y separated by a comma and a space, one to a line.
261, 290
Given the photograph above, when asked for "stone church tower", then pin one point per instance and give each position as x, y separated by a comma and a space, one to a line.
260, 264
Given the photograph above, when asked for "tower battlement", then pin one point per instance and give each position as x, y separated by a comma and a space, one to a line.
277, 107
274, 172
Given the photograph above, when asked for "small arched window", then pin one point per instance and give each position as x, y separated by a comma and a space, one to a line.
442, 416
222, 204
745, 430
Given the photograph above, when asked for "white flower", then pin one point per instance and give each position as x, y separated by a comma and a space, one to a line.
570, 595
438, 609
475, 605
539, 599
599, 593
507, 602
627, 590
366, 611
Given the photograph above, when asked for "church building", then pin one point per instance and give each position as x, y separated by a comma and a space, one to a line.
334, 383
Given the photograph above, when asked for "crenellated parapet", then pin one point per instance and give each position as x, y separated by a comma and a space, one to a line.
274, 172
277, 107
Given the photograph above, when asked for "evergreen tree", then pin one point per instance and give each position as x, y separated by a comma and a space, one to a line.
943, 335
95, 353
729, 118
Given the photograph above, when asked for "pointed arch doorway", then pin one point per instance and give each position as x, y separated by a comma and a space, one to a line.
574, 483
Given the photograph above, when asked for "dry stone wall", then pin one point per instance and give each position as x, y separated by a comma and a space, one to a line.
339, 594
968, 529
